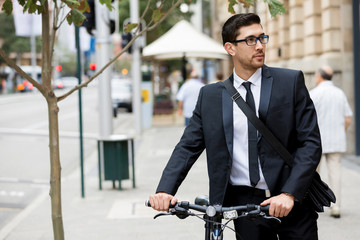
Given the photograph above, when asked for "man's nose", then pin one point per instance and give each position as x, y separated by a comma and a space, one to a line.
259, 45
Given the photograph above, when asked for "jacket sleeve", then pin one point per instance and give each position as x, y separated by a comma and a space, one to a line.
186, 152
308, 144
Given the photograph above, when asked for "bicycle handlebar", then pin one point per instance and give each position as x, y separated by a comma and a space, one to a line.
249, 209
214, 214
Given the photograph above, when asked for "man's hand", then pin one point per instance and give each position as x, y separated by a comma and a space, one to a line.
280, 205
161, 201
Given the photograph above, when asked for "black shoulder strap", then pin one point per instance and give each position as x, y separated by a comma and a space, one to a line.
258, 124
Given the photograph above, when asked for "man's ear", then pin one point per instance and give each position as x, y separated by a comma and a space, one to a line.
229, 48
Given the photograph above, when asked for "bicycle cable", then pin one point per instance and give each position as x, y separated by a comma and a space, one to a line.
222, 225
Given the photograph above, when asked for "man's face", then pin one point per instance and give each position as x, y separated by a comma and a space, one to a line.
248, 57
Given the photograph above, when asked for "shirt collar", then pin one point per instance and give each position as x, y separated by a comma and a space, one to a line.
254, 79
326, 82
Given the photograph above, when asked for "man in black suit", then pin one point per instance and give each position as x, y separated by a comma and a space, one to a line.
282, 102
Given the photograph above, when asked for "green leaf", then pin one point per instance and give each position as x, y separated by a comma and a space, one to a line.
157, 14
129, 27
275, 7
72, 3
40, 9
69, 19
108, 4
7, 7
32, 8
231, 6
84, 6
77, 17
247, 3
27, 6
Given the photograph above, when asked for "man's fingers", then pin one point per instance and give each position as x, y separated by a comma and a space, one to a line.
174, 201
265, 202
280, 206
154, 202
161, 201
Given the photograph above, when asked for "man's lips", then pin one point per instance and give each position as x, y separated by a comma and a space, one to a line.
259, 56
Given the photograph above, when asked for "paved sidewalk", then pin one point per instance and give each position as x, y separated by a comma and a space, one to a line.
111, 214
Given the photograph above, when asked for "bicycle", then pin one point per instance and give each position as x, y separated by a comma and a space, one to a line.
214, 214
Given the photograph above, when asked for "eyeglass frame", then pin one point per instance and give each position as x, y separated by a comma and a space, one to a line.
256, 40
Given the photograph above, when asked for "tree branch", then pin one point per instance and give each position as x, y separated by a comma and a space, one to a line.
137, 35
13, 65
62, 7
146, 9
54, 28
177, 3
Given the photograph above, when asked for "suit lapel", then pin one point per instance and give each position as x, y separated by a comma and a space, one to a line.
265, 93
227, 106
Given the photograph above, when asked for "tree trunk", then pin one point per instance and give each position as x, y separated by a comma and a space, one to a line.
55, 169
53, 109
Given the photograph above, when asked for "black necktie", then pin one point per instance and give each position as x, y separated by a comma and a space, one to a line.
252, 135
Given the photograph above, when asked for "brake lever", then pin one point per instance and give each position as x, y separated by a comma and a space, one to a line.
257, 213
178, 211
253, 214
163, 214
272, 218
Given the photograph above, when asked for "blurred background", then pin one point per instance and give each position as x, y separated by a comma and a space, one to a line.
144, 82
311, 33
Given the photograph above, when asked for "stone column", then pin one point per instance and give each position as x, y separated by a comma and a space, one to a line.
272, 47
346, 82
284, 37
312, 28
331, 36
312, 40
296, 19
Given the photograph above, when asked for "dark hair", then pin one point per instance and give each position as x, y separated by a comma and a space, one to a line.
234, 23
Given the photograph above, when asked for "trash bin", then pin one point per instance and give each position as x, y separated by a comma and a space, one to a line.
116, 154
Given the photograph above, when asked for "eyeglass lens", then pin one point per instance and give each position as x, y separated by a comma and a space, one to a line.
253, 40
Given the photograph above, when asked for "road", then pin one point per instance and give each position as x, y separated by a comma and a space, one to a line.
24, 152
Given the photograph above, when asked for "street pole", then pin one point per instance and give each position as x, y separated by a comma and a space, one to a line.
33, 49
356, 49
104, 79
135, 69
79, 73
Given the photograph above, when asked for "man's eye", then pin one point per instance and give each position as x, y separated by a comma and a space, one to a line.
251, 39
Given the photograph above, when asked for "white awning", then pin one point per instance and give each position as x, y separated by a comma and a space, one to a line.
184, 40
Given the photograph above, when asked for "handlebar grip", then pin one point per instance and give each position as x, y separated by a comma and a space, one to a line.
147, 204
265, 208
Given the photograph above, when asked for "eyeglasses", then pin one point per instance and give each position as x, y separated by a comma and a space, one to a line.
251, 41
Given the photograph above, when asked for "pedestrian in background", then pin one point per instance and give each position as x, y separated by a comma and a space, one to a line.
188, 95
242, 167
334, 116
219, 77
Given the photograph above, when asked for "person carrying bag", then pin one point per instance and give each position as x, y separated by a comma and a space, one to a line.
318, 194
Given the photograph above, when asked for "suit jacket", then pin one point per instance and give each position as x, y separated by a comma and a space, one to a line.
285, 108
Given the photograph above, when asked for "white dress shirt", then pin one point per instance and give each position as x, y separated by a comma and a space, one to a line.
331, 108
240, 168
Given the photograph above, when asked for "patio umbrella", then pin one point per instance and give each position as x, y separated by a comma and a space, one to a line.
183, 40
